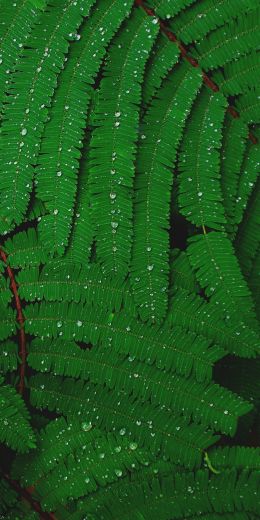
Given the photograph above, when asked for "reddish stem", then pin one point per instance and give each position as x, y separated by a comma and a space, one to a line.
184, 54
20, 319
27, 495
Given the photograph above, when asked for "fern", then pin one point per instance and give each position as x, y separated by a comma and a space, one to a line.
129, 259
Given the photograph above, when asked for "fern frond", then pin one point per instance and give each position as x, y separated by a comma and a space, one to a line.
217, 270
112, 148
8, 322
179, 351
15, 430
157, 153
193, 23
17, 21
231, 159
229, 42
249, 106
181, 441
167, 9
193, 313
238, 75
163, 57
254, 282
248, 235
181, 273
247, 180
237, 457
92, 473
81, 235
56, 174
8, 356
200, 197
25, 249
67, 281
25, 111
169, 497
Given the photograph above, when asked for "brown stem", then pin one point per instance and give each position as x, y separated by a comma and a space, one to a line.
27, 495
20, 319
184, 54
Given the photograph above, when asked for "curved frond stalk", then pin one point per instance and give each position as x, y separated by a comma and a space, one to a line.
25, 112
237, 457
17, 21
57, 173
239, 75
193, 23
248, 235
162, 131
231, 158
216, 267
112, 148
25, 249
229, 42
15, 430
200, 197
182, 441
126, 336
163, 57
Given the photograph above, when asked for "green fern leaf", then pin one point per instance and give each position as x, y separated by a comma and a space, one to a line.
17, 21
28, 101
112, 149
25, 249
15, 430
126, 336
157, 153
216, 267
181, 440
232, 153
238, 75
56, 174
200, 197
194, 23
167, 9
229, 42
163, 57
248, 236
8, 357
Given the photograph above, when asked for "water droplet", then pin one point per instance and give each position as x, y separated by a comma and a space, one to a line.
118, 449
133, 445
117, 114
59, 324
23, 131
118, 472
79, 323
114, 225
87, 480
148, 248
59, 174
122, 431
226, 412
55, 211
200, 193
86, 426
117, 123
112, 195
150, 267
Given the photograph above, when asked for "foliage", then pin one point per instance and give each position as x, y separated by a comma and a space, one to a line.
129, 259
